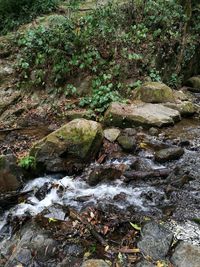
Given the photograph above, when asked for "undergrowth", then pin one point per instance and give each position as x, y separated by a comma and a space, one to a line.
119, 46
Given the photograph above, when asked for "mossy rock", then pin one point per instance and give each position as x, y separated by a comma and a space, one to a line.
186, 108
194, 83
154, 92
76, 142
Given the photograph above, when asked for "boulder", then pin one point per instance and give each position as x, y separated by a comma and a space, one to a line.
194, 84
140, 114
186, 255
10, 174
167, 154
111, 134
186, 108
95, 263
156, 241
67, 148
32, 238
154, 92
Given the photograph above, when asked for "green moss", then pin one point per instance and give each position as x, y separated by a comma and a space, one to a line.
154, 92
78, 139
194, 82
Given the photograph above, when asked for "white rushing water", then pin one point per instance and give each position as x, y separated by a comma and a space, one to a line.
76, 193
74, 189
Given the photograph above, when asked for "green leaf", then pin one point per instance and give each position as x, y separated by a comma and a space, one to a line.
52, 220
135, 226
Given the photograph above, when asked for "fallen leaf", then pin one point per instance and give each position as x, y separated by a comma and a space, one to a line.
135, 226
143, 145
160, 264
52, 220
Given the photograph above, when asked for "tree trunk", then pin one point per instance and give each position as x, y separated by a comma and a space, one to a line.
187, 6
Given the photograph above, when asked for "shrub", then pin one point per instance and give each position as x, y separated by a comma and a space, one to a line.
104, 91
139, 40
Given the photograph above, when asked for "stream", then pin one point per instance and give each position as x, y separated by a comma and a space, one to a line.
178, 206
147, 197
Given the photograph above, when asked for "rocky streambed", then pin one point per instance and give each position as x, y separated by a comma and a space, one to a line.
107, 196
140, 186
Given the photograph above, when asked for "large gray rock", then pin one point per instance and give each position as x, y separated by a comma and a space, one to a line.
32, 238
139, 113
10, 173
154, 92
156, 240
95, 263
186, 255
77, 142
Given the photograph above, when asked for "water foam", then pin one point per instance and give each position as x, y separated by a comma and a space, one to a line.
74, 189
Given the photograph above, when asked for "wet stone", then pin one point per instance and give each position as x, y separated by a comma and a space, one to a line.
43, 191
167, 154
184, 142
103, 173
186, 255
56, 211
156, 240
120, 197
